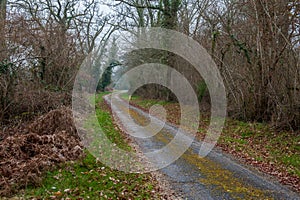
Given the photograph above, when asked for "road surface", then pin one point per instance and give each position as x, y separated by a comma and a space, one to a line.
215, 177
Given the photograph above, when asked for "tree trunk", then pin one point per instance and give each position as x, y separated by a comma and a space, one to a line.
3, 51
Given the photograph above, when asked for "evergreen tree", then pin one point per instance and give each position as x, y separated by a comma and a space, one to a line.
106, 78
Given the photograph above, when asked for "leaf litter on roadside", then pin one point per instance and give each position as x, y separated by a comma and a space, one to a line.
25, 155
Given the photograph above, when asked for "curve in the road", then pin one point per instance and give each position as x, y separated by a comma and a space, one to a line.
216, 176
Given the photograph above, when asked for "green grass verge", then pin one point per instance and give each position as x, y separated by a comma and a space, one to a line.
262, 143
90, 179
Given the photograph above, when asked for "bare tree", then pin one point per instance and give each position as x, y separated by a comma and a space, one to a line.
76, 25
3, 4
45, 43
254, 42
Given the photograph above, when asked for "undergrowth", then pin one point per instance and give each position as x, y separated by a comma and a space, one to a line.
89, 179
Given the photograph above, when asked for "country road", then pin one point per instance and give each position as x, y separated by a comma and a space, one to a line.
216, 177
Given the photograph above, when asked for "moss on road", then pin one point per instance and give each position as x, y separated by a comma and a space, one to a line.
273, 152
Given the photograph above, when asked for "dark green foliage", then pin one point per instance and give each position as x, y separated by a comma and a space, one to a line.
242, 47
202, 87
6, 67
105, 79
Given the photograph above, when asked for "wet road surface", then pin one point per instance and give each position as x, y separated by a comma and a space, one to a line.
216, 176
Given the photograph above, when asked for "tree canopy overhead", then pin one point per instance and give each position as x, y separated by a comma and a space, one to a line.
255, 44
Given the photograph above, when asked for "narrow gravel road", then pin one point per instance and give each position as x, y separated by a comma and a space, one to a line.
216, 176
